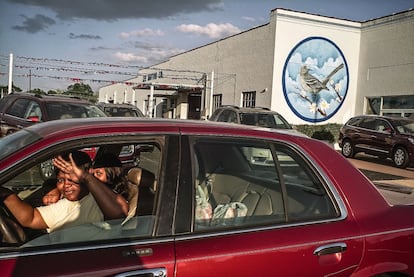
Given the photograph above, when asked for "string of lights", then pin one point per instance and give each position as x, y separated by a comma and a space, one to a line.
86, 72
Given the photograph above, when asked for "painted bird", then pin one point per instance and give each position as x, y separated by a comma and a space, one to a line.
311, 84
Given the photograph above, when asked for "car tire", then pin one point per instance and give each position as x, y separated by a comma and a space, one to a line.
400, 157
348, 149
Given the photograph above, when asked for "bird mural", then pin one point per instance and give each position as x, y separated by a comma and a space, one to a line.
315, 79
312, 84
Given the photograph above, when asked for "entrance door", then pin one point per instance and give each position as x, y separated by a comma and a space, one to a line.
194, 106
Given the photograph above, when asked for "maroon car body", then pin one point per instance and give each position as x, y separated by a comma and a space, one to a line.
330, 221
382, 136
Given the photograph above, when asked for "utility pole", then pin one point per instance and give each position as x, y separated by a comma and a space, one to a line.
30, 80
203, 97
10, 73
210, 102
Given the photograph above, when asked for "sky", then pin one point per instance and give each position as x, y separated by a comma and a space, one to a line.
55, 43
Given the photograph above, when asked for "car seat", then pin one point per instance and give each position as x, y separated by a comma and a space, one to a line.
142, 191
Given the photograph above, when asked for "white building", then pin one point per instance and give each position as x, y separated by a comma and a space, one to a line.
355, 68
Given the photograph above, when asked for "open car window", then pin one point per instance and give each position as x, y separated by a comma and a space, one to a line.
239, 182
137, 158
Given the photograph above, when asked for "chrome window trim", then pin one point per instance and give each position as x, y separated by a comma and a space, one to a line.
314, 166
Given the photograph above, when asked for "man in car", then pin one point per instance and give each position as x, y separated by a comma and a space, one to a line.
85, 198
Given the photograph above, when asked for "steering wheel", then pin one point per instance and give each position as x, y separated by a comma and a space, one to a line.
11, 231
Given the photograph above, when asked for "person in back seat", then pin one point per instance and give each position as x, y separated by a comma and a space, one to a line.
51, 193
107, 168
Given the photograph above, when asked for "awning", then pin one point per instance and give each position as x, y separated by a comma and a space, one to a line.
165, 86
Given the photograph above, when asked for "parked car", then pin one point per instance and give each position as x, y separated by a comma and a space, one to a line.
19, 110
122, 110
382, 136
261, 117
212, 206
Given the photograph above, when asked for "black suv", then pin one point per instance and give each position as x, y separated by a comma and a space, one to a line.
19, 110
382, 136
262, 117
122, 110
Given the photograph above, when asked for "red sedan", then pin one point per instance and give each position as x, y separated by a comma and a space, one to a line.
217, 200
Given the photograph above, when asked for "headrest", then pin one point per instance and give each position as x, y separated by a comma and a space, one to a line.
141, 177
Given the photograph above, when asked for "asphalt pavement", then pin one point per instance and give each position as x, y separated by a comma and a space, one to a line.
395, 183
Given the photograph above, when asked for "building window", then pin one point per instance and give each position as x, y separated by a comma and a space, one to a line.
217, 101
152, 76
402, 105
249, 99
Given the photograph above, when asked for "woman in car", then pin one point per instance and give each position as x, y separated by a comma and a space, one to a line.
85, 198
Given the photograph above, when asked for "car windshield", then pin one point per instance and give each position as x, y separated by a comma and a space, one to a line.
18, 140
59, 110
267, 120
404, 126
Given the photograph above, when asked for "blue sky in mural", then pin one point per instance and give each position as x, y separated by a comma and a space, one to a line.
320, 61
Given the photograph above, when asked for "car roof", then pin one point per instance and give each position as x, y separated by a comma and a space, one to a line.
126, 105
45, 129
249, 109
384, 117
49, 97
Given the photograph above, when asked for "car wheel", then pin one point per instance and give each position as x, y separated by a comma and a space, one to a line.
348, 149
400, 157
46, 169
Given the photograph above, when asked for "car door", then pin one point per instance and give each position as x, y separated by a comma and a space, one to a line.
382, 139
139, 245
275, 214
365, 134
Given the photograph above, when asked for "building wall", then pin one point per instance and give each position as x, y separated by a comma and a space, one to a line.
240, 63
386, 64
119, 93
291, 29
378, 58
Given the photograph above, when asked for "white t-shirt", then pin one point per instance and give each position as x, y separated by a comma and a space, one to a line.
65, 213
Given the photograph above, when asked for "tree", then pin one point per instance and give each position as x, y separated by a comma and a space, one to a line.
5, 89
83, 91
38, 91
80, 89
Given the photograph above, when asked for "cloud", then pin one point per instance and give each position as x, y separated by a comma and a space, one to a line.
211, 30
130, 57
110, 10
83, 36
35, 24
147, 32
147, 54
248, 18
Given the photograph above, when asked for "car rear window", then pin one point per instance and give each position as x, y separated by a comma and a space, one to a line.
122, 111
60, 110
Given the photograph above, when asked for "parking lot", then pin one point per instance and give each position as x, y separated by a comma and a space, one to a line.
397, 183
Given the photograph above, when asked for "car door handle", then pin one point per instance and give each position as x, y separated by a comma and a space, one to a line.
155, 272
330, 249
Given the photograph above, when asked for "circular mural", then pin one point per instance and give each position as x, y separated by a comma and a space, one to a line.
315, 79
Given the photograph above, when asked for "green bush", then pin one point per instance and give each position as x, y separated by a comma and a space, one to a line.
328, 132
